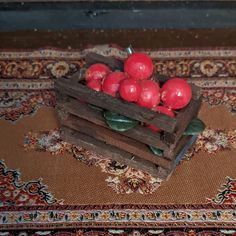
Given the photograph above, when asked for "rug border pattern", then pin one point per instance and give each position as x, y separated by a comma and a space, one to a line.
146, 216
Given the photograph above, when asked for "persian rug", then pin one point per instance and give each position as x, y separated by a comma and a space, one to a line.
50, 187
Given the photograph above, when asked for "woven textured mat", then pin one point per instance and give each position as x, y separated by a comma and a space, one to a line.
48, 184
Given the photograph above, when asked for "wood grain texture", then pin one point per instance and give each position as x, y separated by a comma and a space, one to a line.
139, 38
140, 133
80, 120
183, 119
105, 101
113, 63
114, 153
116, 139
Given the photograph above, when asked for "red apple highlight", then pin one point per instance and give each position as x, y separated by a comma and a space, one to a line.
176, 93
130, 90
150, 94
111, 83
139, 66
97, 71
95, 84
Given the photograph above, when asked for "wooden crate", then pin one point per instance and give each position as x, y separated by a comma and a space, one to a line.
83, 125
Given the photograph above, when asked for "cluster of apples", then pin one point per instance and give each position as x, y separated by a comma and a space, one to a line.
135, 85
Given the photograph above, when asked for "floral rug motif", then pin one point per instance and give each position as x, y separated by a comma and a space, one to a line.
14, 192
16, 104
124, 179
37, 68
27, 83
125, 232
227, 193
27, 78
116, 216
212, 141
19, 103
215, 97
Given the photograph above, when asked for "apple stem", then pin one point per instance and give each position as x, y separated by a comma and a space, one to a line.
129, 50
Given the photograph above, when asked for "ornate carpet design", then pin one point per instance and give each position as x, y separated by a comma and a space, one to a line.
14, 192
16, 104
126, 232
113, 199
213, 70
227, 194
126, 180
130, 216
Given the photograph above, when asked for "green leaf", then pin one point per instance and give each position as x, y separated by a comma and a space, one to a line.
118, 122
156, 151
196, 126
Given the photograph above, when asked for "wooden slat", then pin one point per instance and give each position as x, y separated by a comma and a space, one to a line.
174, 149
183, 119
114, 153
140, 133
113, 63
105, 101
115, 139
186, 115
183, 151
196, 92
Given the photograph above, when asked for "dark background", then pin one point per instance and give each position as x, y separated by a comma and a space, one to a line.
144, 24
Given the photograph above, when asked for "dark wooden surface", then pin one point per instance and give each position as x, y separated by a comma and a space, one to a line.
115, 139
183, 119
140, 133
105, 101
74, 98
111, 152
113, 63
173, 127
139, 38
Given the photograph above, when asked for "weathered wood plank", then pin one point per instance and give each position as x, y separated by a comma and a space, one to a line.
183, 119
113, 63
111, 152
186, 115
140, 133
196, 92
115, 139
105, 101
174, 149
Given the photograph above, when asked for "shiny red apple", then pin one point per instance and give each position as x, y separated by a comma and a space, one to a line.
130, 90
111, 83
139, 66
162, 110
176, 93
95, 84
150, 94
97, 71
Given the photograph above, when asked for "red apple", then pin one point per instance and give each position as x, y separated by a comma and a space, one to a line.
95, 84
97, 71
111, 83
130, 90
139, 66
150, 94
176, 93
162, 110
